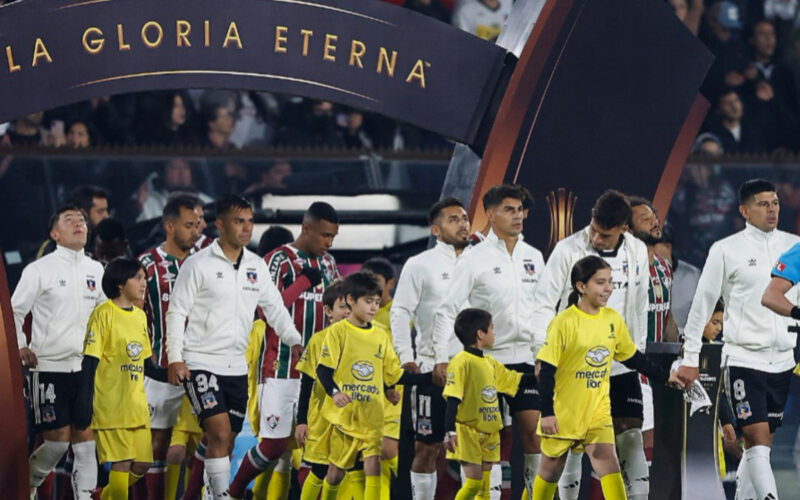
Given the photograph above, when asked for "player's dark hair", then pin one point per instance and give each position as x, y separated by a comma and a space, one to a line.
332, 293
273, 238
582, 272
612, 209
360, 284
496, 194
83, 196
637, 201
749, 189
527, 201
380, 266
230, 203
176, 201
117, 273
468, 322
69, 207
436, 208
319, 210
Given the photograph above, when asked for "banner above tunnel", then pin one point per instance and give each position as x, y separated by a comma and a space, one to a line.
361, 53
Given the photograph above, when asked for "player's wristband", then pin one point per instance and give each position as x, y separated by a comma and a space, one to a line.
795, 312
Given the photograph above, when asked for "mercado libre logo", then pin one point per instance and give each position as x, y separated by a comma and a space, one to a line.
489, 394
134, 350
362, 370
597, 356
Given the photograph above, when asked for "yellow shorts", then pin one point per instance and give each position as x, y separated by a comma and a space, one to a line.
475, 447
187, 431
346, 449
316, 449
554, 447
118, 445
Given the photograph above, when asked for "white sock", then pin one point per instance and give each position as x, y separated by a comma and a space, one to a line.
84, 470
44, 459
759, 471
633, 463
530, 467
496, 482
569, 485
423, 485
744, 488
219, 475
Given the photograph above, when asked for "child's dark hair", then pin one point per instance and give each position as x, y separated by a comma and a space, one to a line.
612, 209
582, 272
380, 266
468, 322
117, 273
719, 307
333, 292
360, 284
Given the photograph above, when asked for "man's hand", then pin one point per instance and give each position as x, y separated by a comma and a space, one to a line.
450, 442
300, 432
439, 374
177, 372
341, 399
675, 381
411, 367
393, 396
549, 425
28, 358
688, 374
297, 351
313, 274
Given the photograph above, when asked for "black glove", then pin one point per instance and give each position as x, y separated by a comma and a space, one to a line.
313, 274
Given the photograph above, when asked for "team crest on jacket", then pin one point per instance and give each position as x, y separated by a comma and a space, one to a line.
134, 350
252, 277
489, 394
362, 370
91, 284
530, 268
597, 356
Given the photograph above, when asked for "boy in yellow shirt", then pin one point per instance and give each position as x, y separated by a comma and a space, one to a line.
311, 432
357, 362
472, 419
575, 365
115, 348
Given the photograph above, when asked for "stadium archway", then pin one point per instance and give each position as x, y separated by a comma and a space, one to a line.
591, 97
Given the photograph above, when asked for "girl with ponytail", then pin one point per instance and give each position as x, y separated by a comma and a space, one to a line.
574, 368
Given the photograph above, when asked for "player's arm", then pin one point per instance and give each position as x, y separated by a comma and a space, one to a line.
785, 274
277, 316
458, 293
93, 347
28, 290
278, 265
548, 293
184, 293
306, 385
547, 384
642, 298
709, 290
406, 298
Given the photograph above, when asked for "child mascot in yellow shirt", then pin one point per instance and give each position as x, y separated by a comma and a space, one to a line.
115, 348
574, 368
472, 419
357, 363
